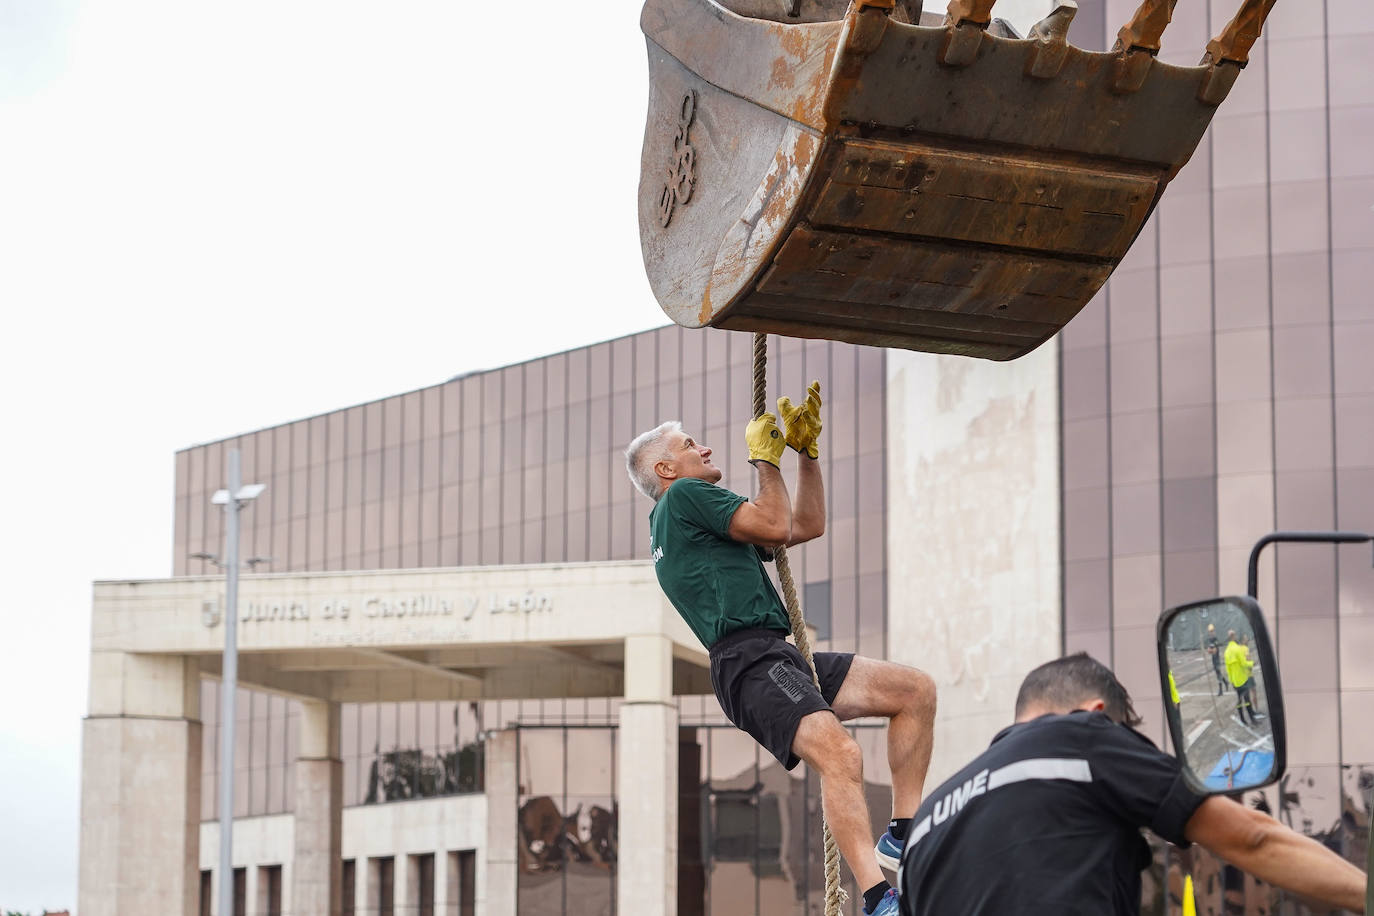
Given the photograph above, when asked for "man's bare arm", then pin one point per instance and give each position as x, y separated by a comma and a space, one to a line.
1256, 843
767, 520
808, 517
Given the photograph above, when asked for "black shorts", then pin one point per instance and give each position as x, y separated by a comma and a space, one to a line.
764, 686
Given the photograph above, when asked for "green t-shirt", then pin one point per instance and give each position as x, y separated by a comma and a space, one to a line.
717, 584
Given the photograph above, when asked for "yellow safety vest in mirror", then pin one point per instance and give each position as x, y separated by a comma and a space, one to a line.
1238, 663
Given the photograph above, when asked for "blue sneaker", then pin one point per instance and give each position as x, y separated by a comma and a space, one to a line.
888, 852
888, 906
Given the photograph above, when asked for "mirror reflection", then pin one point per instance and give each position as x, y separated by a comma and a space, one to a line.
1219, 698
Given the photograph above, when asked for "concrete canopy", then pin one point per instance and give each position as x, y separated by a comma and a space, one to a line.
512, 632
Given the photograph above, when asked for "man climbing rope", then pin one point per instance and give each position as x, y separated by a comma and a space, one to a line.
708, 546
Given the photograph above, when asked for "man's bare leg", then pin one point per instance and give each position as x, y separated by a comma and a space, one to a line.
829, 750
906, 696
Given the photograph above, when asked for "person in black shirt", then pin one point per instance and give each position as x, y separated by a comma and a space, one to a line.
1047, 820
1214, 653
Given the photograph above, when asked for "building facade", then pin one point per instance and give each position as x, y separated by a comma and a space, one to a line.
983, 518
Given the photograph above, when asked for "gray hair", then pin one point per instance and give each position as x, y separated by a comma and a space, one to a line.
646, 450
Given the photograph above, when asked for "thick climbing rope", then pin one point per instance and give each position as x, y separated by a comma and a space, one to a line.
835, 895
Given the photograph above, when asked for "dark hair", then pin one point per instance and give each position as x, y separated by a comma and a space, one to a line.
1074, 679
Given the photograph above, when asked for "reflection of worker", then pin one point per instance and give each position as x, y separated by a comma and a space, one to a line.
708, 545
1238, 667
1214, 653
1047, 819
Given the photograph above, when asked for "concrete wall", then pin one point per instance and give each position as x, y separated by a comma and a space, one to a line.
973, 534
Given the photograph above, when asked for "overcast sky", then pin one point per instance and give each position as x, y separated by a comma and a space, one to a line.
215, 218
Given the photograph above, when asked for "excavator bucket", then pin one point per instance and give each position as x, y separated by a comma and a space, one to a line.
878, 174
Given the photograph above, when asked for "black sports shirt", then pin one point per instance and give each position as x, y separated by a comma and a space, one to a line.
1045, 821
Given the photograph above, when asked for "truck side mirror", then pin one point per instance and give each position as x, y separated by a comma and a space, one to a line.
1222, 698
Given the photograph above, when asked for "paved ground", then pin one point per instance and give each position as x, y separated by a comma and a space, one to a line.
1215, 740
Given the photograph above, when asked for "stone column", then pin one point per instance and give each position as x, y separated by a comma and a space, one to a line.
140, 786
318, 866
647, 783
503, 795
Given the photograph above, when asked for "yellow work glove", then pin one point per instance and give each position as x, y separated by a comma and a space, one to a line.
765, 440
803, 422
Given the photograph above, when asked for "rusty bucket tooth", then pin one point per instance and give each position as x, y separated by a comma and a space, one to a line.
1241, 33
965, 22
1228, 53
911, 11
1137, 44
1051, 37
1146, 26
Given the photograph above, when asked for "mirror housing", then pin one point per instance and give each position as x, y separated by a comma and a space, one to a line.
1233, 739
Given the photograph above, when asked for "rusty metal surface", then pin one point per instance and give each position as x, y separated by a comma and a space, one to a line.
1241, 33
933, 187
1146, 26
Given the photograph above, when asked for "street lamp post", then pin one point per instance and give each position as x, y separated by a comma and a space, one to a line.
233, 500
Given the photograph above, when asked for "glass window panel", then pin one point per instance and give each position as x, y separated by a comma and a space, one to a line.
1354, 435
844, 613
1135, 519
1185, 301
1087, 594
1134, 371
511, 543
1084, 453
1187, 575
1354, 341
275, 801
242, 793
276, 730
1085, 524
407, 725
1089, 327
872, 615
488, 547
411, 467
1188, 442
1303, 439
1242, 365
842, 488
448, 460
1083, 388
1302, 361
1241, 220
348, 730
1300, 217
1304, 500
470, 506
553, 531
471, 454
387, 733
1306, 582
369, 736
1186, 371
1185, 224
1190, 514
816, 606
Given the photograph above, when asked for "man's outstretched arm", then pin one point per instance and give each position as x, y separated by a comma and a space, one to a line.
1255, 842
767, 520
808, 516
803, 430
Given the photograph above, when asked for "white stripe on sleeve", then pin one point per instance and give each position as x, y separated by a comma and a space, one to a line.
1074, 770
